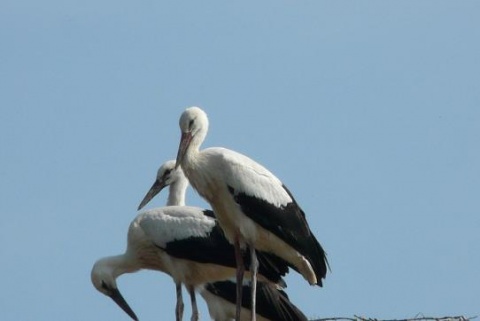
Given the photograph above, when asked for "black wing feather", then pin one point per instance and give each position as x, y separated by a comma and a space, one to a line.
215, 249
289, 224
272, 304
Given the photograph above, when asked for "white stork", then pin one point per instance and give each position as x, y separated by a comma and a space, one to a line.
184, 242
272, 303
254, 208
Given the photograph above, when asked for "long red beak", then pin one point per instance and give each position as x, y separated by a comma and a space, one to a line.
184, 143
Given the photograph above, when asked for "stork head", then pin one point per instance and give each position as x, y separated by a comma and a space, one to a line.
194, 126
103, 277
167, 175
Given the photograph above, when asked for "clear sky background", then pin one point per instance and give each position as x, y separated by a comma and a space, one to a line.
369, 111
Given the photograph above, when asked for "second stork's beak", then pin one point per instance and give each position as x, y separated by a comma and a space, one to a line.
154, 190
184, 143
118, 298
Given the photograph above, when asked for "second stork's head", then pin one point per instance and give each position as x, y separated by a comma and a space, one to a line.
168, 175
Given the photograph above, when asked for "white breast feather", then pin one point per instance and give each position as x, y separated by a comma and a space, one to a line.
167, 224
247, 176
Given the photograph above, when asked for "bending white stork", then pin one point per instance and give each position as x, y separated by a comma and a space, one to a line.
252, 206
272, 304
184, 242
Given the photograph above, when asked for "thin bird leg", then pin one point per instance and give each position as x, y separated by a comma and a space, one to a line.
240, 272
180, 305
253, 285
193, 300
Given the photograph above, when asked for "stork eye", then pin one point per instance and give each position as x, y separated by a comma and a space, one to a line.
190, 124
167, 172
105, 286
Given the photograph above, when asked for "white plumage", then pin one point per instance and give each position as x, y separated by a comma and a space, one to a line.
184, 242
252, 205
163, 225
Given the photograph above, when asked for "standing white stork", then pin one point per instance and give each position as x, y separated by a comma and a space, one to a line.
254, 208
272, 304
184, 242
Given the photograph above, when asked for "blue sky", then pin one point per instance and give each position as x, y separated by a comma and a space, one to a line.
369, 111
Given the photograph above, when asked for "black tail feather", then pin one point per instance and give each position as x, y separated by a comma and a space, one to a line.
272, 304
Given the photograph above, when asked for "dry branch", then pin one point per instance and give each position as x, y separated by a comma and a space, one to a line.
417, 318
